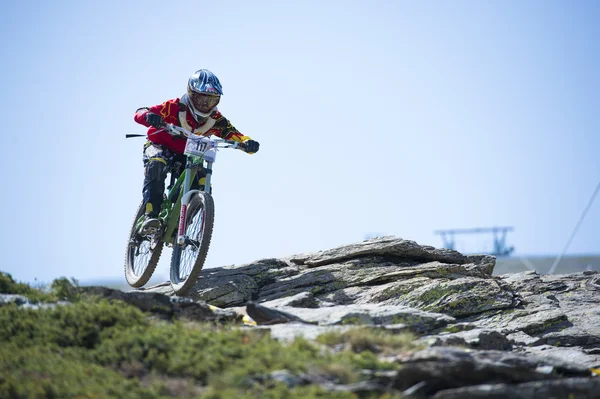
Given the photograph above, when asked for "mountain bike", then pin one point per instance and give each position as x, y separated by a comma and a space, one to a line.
186, 215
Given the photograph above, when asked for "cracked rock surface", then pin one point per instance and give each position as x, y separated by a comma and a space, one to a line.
521, 335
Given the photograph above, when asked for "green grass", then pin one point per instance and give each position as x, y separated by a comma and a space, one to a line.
100, 349
373, 340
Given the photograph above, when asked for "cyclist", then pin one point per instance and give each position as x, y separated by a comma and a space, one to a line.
195, 111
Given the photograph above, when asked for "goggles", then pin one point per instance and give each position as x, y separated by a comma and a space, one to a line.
204, 102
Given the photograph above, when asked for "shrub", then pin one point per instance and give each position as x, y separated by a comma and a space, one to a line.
99, 348
9, 286
38, 372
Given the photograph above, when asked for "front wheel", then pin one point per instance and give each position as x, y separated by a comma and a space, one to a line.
188, 259
142, 253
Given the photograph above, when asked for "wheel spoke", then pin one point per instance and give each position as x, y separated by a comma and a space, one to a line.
141, 257
142, 254
189, 253
188, 259
195, 243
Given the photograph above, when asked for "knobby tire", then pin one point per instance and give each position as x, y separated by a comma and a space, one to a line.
132, 278
200, 202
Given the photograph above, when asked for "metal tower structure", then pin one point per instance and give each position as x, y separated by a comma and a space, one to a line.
499, 236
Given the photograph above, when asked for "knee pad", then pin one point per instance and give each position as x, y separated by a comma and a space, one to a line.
156, 169
154, 185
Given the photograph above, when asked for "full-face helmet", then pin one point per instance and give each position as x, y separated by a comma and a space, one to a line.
204, 91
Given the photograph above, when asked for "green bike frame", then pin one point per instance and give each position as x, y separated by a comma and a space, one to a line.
172, 203
187, 231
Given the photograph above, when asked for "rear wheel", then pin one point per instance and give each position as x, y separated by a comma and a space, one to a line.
187, 260
142, 254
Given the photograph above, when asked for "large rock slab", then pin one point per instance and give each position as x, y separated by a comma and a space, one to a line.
414, 319
357, 271
476, 339
534, 322
569, 388
439, 368
391, 246
460, 297
164, 306
572, 354
518, 328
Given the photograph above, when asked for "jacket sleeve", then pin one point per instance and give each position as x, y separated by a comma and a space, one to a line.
168, 110
140, 116
224, 129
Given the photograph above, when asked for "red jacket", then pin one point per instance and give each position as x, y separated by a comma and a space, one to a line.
172, 111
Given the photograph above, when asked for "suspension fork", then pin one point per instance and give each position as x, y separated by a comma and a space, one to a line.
208, 175
187, 195
185, 200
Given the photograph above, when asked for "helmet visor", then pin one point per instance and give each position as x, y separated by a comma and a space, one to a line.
204, 102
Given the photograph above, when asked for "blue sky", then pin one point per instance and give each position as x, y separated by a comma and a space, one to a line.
389, 117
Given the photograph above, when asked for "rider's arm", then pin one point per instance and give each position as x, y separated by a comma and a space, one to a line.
225, 130
140, 116
167, 110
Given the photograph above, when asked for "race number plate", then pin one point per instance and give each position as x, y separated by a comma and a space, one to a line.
202, 147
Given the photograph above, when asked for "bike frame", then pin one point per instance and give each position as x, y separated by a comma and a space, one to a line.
187, 194
172, 206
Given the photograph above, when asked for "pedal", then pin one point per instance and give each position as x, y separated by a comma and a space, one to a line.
149, 230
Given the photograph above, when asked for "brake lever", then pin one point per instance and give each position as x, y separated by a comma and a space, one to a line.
237, 145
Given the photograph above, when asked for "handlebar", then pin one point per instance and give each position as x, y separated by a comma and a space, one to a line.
178, 131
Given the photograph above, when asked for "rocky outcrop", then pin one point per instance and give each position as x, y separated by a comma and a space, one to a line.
159, 305
520, 335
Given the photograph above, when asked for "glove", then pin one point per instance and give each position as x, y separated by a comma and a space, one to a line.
251, 146
154, 120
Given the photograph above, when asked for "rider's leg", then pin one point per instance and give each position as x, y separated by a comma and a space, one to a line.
156, 166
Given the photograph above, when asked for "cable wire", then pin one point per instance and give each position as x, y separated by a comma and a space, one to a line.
581, 218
